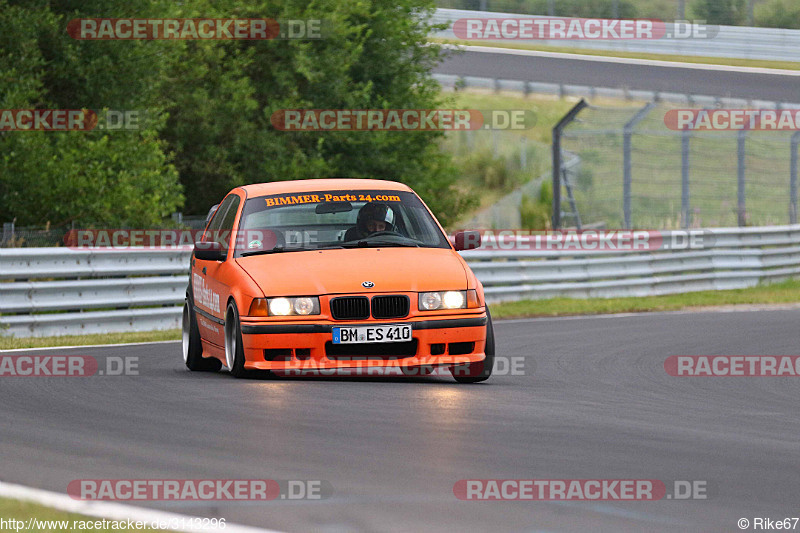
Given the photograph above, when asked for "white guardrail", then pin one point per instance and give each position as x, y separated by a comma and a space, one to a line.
61, 291
730, 41
561, 90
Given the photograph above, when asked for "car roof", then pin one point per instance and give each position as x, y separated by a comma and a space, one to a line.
332, 184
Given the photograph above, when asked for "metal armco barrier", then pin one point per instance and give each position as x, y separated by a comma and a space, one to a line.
730, 258
451, 81
58, 291
62, 291
731, 41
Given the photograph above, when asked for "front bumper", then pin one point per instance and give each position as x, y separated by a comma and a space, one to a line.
444, 341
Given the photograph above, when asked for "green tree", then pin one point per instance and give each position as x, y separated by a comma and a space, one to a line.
96, 177
374, 55
723, 12
209, 106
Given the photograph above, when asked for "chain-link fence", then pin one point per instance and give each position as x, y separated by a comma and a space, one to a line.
635, 172
14, 236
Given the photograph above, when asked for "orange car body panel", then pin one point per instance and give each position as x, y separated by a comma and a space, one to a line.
327, 274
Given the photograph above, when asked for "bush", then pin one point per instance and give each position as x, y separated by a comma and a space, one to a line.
779, 14
535, 213
485, 170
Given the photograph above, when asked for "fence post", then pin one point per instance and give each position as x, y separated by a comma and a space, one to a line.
627, 136
557, 130
793, 179
8, 232
686, 137
741, 208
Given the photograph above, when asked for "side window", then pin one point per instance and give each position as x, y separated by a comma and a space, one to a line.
221, 225
227, 221
216, 222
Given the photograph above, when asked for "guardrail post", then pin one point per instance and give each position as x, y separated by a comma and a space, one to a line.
741, 208
626, 155
793, 179
557, 130
686, 137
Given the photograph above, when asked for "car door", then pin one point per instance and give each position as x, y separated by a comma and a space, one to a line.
210, 295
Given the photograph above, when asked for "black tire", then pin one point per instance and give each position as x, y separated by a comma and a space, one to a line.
481, 371
191, 345
234, 351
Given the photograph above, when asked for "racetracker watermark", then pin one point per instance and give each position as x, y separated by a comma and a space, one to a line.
589, 240
402, 119
732, 365
194, 490
556, 28
70, 366
161, 238
577, 489
72, 119
431, 366
195, 29
733, 119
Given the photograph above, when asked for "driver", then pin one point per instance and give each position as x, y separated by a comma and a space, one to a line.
372, 218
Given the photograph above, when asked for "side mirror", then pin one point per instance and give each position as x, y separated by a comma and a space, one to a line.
467, 240
209, 251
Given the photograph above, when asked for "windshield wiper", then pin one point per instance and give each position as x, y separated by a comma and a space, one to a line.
379, 244
278, 249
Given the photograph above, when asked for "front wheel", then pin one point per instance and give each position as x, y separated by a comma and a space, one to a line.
234, 351
480, 371
191, 345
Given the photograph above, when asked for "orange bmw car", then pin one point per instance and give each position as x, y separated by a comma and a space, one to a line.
333, 274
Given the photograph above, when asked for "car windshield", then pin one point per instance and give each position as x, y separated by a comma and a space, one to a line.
336, 219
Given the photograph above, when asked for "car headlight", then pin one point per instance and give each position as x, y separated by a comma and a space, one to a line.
301, 305
431, 301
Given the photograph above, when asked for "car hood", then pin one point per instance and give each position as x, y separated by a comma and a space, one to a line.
341, 271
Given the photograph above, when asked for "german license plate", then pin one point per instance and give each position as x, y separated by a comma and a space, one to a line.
363, 334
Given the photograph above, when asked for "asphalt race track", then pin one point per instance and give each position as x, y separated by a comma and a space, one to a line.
603, 73
594, 403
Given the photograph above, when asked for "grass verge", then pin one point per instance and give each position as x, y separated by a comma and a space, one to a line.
732, 62
10, 343
46, 520
777, 293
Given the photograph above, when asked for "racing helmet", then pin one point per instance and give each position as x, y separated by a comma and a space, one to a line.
375, 211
